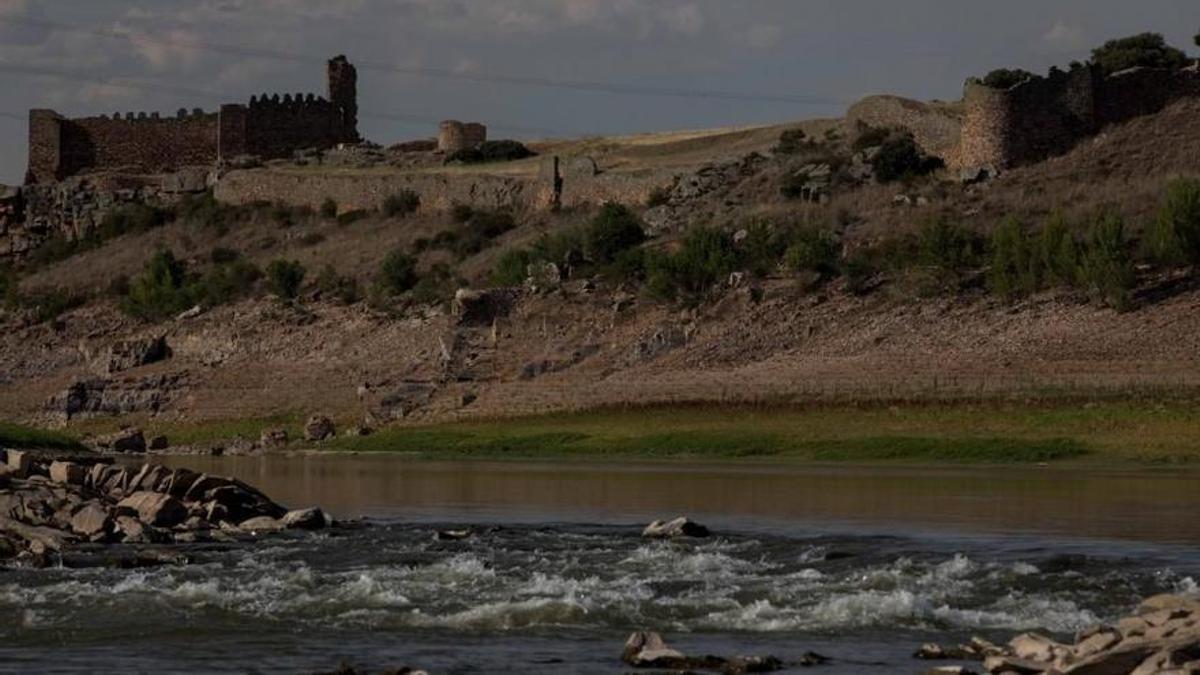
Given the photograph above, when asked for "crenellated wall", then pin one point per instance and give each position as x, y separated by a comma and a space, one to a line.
270, 127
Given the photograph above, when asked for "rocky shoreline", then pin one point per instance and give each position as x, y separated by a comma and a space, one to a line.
56, 507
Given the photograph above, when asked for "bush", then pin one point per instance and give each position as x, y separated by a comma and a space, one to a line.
511, 269
1058, 253
285, 215
461, 213
659, 196
900, 157
226, 283
333, 285
613, 230
118, 286
311, 239
436, 286
762, 248
1107, 268
815, 251
49, 304
401, 204
871, 137
706, 258
1175, 235
398, 272
858, 271
1004, 78
130, 218
1146, 50
329, 209
285, 277
793, 141
159, 291
1015, 270
491, 224
223, 256
351, 217
9, 284
492, 151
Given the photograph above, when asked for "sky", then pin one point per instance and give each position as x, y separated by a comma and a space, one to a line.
538, 68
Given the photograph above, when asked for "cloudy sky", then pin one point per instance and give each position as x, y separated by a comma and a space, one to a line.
535, 68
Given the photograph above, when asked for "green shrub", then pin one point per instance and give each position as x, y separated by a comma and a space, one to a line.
311, 239
286, 215
337, 287
814, 250
118, 286
793, 141
659, 196
511, 268
492, 151
762, 248
9, 284
49, 304
398, 273
159, 291
436, 286
871, 137
1146, 50
223, 256
1175, 235
329, 209
401, 204
858, 270
562, 248
461, 213
900, 157
226, 283
1057, 252
1015, 264
706, 258
285, 278
1106, 266
491, 224
131, 218
946, 245
351, 217
1005, 78
612, 231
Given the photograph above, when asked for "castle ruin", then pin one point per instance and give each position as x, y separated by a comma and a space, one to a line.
268, 127
455, 136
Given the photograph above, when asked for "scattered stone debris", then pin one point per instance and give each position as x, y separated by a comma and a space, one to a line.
110, 397
130, 440
129, 354
672, 529
54, 503
646, 649
319, 428
1162, 638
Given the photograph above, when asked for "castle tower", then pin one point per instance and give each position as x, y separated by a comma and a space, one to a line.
343, 94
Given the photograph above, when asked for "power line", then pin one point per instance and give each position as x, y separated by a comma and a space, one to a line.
448, 74
40, 71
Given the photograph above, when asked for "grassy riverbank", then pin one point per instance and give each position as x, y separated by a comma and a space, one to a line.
17, 436
1115, 431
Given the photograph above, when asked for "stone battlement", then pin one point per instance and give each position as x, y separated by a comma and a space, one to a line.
269, 126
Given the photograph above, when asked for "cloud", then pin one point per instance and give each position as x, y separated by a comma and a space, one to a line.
1065, 36
13, 33
762, 36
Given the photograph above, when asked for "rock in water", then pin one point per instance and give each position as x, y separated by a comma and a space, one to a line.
154, 508
304, 519
91, 520
671, 529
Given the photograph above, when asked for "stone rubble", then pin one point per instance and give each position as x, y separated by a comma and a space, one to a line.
52, 504
672, 529
1161, 638
647, 649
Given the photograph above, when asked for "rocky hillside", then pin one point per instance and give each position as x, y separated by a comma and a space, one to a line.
882, 325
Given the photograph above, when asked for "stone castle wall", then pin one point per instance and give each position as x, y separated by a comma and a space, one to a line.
936, 127
454, 136
1046, 117
269, 127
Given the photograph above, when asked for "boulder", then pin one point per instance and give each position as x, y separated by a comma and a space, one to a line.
1033, 647
91, 520
647, 649
158, 443
128, 354
273, 438
154, 508
20, 463
481, 308
304, 519
670, 529
67, 473
1169, 601
319, 428
126, 441
261, 524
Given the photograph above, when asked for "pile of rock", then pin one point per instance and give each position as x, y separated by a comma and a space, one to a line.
645, 649
1162, 638
49, 504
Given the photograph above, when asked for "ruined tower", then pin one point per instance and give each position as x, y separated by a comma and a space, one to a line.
343, 94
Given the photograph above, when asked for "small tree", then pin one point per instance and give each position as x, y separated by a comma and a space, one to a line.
1107, 267
512, 268
398, 272
1175, 235
159, 291
1057, 252
285, 277
814, 251
900, 157
1005, 78
403, 203
612, 231
329, 209
1146, 50
1014, 271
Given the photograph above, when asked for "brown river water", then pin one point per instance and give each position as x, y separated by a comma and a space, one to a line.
859, 563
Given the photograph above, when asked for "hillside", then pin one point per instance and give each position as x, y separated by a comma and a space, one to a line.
598, 340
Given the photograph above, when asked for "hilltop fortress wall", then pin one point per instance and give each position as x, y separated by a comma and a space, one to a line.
269, 127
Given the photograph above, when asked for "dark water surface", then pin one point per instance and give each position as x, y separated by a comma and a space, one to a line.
858, 563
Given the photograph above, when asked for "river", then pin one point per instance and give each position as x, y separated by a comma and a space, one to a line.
861, 564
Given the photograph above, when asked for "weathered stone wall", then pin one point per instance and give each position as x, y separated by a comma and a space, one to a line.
936, 127
269, 126
1046, 117
454, 136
